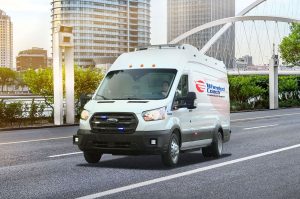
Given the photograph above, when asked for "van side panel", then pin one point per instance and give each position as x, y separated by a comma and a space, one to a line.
213, 109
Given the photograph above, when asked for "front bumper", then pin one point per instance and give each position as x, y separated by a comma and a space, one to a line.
137, 143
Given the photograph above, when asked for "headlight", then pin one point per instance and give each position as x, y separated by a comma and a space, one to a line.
84, 115
156, 114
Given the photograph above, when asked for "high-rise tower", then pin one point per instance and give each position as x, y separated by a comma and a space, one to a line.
6, 41
103, 29
184, 15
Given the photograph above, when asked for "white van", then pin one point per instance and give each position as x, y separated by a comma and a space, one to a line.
163, 100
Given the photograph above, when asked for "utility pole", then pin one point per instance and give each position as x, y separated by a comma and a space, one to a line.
273, 81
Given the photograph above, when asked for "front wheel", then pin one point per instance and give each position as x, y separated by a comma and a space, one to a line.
92, 157
216, 148
170, 158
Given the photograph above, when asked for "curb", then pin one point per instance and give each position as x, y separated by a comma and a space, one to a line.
37, 127
258, 110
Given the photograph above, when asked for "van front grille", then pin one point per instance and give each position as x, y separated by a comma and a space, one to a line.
107, 123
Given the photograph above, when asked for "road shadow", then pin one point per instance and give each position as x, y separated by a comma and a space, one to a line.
151, 162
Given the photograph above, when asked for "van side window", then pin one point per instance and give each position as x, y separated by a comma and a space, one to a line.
181, 92
183, 87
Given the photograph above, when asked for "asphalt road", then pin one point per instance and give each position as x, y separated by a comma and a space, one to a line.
262, 160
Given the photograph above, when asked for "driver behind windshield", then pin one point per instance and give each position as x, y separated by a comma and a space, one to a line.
165, 88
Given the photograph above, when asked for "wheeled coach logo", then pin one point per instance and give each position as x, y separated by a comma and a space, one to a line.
210, 88
213, 89
200, 85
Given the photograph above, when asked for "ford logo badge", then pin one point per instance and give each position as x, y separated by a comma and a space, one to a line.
112, 120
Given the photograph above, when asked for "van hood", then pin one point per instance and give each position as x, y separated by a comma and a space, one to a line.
129, 106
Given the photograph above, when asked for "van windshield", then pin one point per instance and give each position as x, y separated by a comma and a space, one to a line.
136, 84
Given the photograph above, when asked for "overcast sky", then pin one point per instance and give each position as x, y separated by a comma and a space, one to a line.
32, 22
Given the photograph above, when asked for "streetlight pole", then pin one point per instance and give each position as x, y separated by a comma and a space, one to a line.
273, 81
63, 42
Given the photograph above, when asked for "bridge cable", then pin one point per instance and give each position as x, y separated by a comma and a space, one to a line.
238, 46
261, 53
218, 48
232, 53
247, 39
225, 46
270, 44
226, 53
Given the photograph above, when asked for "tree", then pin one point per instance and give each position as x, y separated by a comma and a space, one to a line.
86, 81
7, 77
290, 46
40, 82
20, 80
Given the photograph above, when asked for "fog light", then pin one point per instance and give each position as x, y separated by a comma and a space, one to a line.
75, 139
153, 141
121, 129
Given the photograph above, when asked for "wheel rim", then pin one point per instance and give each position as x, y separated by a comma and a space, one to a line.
174, 150
220, 143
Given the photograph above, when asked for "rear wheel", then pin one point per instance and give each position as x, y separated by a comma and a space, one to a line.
170, 158
216, 148
92, 157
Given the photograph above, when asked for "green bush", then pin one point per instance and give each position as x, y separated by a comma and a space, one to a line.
2, 113
36, 111
14, 112
252, 92
247, 92
289, 103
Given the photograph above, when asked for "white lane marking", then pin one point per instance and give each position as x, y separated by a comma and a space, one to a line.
264, 117
66, 154
186, 173
26, 141
260, 127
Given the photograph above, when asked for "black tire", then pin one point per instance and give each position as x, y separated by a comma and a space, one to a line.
171, 156
92, 157
216, 148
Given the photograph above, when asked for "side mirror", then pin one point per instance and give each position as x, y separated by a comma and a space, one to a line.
190, 100
84, 98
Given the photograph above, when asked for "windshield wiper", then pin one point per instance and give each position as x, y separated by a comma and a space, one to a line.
128, 98
105, 98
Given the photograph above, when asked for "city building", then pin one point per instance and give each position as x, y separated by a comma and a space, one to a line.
6, 41
103, 29
244, 62
184, 15
34, 58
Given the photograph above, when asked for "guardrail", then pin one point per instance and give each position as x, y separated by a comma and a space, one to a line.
23, 111
17, 110
27, 100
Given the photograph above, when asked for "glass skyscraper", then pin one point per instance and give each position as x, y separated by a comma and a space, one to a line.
103, 29
6, 41
184, 15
